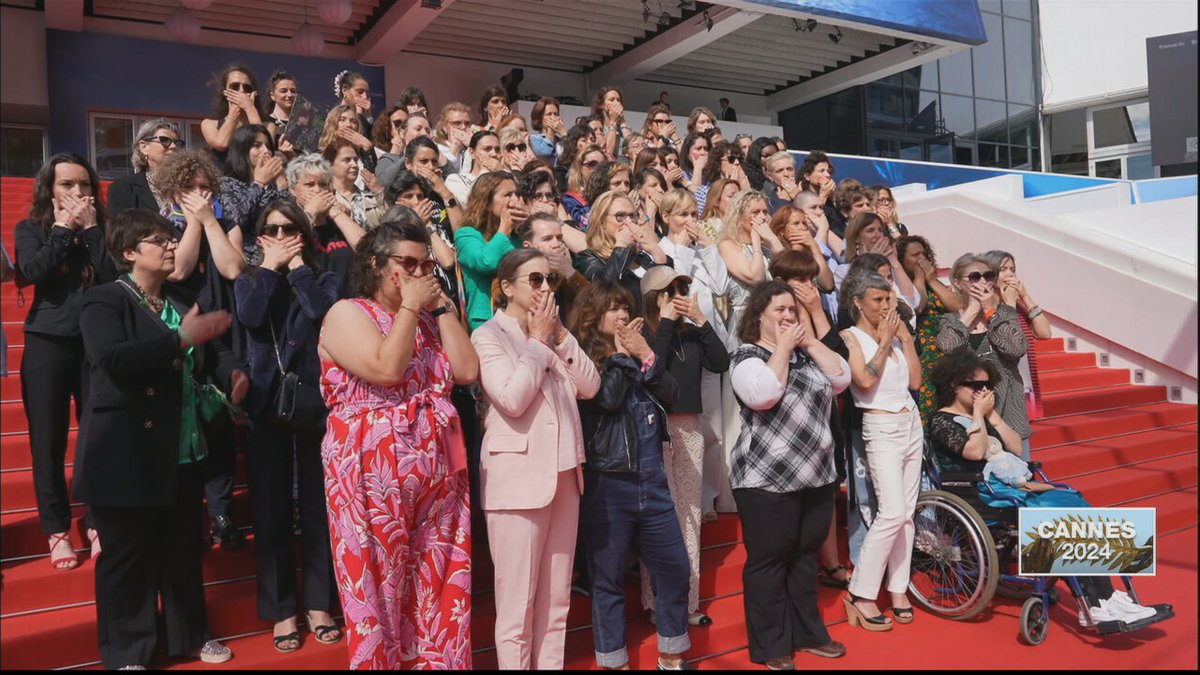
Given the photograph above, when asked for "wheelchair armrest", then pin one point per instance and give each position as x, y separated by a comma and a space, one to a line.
961, 477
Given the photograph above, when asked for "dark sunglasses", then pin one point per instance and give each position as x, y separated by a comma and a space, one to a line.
245, 87
544, 197
974, 277
165, 141
289, 230
591, 163
661, 121
519, 147
679, 287
978, 385
410, 264
399, 124
552, 279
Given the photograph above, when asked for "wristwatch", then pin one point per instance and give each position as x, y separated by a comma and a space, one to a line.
448, 307
451, 203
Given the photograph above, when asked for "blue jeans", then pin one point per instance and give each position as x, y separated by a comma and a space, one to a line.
620, 511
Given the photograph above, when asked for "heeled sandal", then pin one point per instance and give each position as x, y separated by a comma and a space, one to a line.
94, 538
855, 617
65, 561
322, 632
827, 578
902, 614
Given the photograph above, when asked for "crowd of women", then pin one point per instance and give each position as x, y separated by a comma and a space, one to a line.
591, 337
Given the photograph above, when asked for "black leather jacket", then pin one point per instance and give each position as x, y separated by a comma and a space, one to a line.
610, 429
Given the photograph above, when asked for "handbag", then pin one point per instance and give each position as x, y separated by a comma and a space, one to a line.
298, 405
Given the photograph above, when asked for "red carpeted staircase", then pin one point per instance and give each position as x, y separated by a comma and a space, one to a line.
1118, 443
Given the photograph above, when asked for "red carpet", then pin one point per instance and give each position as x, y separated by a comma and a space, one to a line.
1118, 443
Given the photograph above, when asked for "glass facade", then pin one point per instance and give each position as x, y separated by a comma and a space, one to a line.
978, 106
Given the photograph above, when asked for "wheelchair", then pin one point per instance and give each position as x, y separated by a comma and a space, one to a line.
965, 552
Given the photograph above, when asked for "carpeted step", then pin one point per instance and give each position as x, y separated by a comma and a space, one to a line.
10, 386
1051, 346
12, 413
16, 489
1175, 510
257, 652
1128, 483
15, 452
1081, 427
22, 532
1066, 461
15, 353
14, 330
1101, 398
1047, 362
35, 585
1082, 378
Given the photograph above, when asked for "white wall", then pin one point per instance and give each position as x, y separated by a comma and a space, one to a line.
23, 68
445, 79
1096, 47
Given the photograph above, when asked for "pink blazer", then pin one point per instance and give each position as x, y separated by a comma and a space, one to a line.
524, 381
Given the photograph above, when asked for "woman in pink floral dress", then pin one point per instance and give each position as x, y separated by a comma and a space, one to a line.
394, 459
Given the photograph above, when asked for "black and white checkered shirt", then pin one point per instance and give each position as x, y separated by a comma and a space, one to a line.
788, 446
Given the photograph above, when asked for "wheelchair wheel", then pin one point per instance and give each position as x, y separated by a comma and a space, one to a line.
955, 568
1034, 620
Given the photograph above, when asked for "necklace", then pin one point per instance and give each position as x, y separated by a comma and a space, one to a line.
680, 351
154, 303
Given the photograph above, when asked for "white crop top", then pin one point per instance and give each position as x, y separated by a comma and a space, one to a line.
890, 393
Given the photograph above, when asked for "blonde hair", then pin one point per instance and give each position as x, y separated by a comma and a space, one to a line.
713, 201
673, 200
331, 124
597, 236
575, 173
509, 135
439, 134
739, 206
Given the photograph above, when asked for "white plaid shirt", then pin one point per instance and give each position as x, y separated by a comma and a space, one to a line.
788, 446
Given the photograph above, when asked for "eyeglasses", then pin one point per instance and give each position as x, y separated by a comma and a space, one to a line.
544, 197
289, 230
552, 280
161, 241
659, 120
461, 124
885, 200
975, 277
621, 216
165, 141
591, 163
519, 147
410, 264
978, 385
245, 87
679, 287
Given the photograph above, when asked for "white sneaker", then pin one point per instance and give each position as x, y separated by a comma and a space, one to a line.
1126, 604
1113, 611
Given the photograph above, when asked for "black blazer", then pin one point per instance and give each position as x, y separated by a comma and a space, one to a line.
54, 261
128, 447
131, 192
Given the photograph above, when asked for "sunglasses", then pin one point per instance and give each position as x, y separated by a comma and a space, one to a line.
621, 216
552, 280
399, 124
519, 147
245, 87
544, 197
978, 385
161, 241
165, 141
661, 121
975, 277
289, 230
679, 287
591, 163
410, 264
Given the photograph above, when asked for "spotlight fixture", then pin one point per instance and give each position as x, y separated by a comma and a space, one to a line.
687, 5
645, 11
664, 19
920, 47
708, 22
810, 25
806, 26
836, 36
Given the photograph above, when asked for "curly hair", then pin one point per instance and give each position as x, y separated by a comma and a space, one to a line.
177, 170
587, 312
904, 242
479, 206
957, 367
400, 224
719, 151
811, 160
382, 130
739, 208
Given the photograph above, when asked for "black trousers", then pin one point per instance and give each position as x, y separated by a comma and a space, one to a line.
151, 551
783, 533
274, 456
53, 371
223, 439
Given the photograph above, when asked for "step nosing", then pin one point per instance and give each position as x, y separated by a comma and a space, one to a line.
1089, 441
1124, 466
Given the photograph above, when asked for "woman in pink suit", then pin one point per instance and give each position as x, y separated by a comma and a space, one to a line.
532, 371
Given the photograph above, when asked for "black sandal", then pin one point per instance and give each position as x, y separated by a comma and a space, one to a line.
322, 632
826, 578
280, 640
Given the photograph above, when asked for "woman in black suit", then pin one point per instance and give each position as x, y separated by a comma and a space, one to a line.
60, 251
155, 140
154, 364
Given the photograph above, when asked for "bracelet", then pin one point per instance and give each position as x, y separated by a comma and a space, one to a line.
989, 313
415, 312
1033, 312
